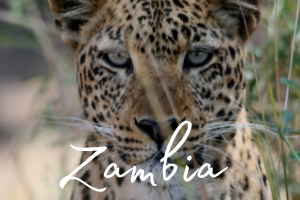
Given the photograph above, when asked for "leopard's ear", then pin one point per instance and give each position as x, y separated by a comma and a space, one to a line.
238, 15
71, 15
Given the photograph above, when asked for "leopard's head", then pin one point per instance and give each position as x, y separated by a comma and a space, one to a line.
145, 66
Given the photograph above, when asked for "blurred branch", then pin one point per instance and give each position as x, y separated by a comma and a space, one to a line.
292, 55
38, 28
33, 21
23, 21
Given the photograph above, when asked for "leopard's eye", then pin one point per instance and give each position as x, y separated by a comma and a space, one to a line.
197, 59
118, 59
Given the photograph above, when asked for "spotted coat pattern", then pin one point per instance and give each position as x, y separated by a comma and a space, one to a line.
134, 109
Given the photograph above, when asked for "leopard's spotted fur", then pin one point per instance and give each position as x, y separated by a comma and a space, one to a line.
134, 102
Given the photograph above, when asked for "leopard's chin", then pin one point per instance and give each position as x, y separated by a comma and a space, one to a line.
175, 185
155, 167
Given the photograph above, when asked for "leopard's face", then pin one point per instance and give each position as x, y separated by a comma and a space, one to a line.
146, 66
143, 67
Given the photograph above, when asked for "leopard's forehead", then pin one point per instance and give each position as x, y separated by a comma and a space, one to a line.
165, 29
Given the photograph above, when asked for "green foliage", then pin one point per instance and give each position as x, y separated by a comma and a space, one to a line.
290, 84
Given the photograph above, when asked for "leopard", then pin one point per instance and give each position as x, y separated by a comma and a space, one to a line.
145, 66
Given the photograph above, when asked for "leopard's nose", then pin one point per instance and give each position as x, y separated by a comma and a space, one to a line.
153, 130
150, 128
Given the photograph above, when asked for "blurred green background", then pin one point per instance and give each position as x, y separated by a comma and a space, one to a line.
40, 107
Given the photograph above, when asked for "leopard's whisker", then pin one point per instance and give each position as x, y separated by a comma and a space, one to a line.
225, 154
